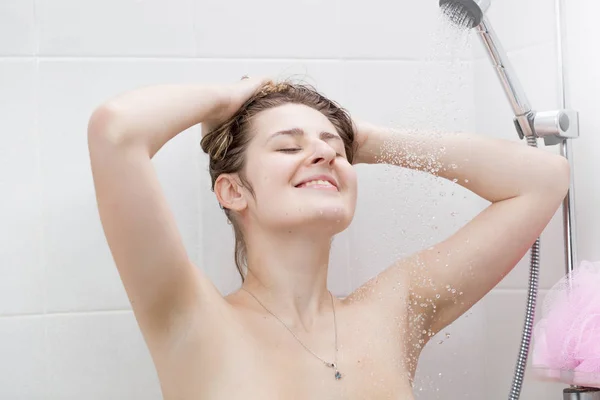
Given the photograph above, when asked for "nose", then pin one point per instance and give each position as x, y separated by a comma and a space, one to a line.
323, 154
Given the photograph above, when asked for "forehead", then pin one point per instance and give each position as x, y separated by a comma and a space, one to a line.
289, 116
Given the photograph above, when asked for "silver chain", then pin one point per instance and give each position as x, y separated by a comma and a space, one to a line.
331, 365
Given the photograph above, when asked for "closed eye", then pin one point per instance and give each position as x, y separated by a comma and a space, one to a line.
295, 150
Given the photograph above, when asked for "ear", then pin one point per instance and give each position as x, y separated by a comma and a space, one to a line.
230, 192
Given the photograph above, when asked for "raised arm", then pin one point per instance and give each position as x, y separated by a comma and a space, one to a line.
163, 286
525, 186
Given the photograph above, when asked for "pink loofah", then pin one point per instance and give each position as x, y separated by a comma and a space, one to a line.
567, 338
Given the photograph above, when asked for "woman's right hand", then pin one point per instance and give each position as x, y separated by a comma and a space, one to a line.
231, 97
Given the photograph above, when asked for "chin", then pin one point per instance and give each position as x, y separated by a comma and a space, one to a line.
330, 219
312, 215
317, 220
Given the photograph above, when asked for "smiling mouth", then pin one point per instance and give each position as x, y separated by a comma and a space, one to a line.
318, 184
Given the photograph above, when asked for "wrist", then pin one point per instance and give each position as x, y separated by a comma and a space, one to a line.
221, 96
368, 139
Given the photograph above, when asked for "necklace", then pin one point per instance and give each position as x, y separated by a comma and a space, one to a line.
333, 365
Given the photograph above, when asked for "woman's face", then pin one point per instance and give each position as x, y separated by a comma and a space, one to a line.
296, 163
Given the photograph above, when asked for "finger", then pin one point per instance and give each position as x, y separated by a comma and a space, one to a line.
253, 84
246, 79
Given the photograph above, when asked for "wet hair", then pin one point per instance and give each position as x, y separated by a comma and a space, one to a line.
226, 144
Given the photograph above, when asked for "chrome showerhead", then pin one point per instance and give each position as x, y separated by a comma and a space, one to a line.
467, 13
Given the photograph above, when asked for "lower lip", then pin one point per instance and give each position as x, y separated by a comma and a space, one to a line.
320, 187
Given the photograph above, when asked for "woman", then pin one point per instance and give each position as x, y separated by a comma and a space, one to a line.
281, 163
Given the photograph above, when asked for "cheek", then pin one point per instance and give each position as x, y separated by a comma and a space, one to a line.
349, 176
269, 178
261, 170
276, 171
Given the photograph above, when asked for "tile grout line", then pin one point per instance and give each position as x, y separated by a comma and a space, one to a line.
41, 198
224, 59
196, 57
194, 29
37, 136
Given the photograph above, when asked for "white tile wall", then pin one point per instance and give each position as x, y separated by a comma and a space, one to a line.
385, 61
325, 75
268, 29
21, 264
98, 356
115, 28
520, 24
583, 80
24, 362
390, 29
17, 28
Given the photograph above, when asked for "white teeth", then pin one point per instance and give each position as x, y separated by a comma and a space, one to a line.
317, 182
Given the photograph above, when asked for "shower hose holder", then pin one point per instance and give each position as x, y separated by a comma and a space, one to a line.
553, 126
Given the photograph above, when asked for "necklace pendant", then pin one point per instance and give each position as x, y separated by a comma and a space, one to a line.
337, 375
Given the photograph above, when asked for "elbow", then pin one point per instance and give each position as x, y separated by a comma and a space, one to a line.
105, 123
564, 173
558, 175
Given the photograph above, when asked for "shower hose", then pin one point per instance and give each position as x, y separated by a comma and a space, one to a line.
532, 293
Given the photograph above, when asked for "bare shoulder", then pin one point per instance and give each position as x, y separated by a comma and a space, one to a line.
383, 293
381, 301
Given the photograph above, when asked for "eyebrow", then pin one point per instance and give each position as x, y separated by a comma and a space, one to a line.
299, 132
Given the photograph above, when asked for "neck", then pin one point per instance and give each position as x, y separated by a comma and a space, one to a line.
287, 272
